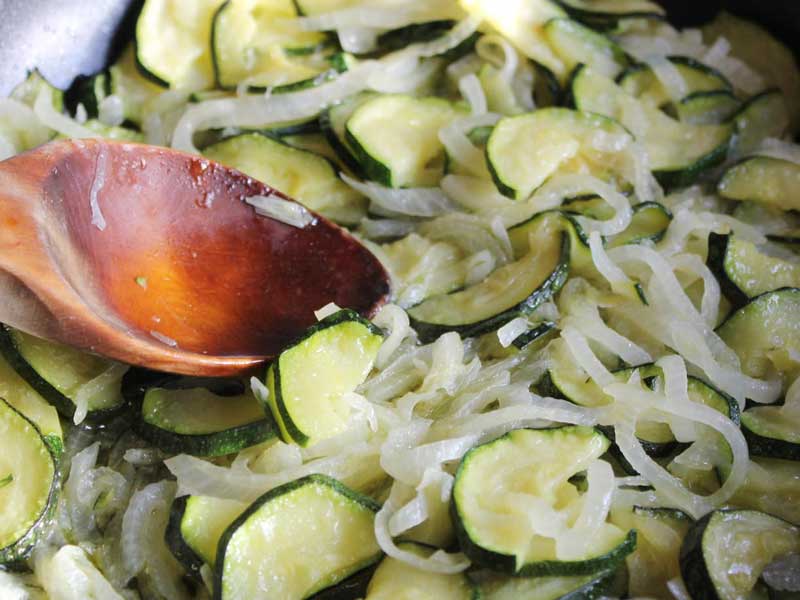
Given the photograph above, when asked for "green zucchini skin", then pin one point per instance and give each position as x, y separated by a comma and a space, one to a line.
534, 334
352, 588
689, 175
187, 557
64, 405
760, 445
341, 316
88, 91
770, 447
213, 444
218, 443
505, 563
428, 332
602, 20
271, 495
694, 570
717, 249
13, 556
399, 38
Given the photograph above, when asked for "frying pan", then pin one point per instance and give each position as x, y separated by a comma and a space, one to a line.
67, 38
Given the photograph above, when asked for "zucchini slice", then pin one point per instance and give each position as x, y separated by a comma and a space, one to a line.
499, 482
196, 421
554, 221
524, 151
574, 587
607, 14
744, 271
23, 398
641, 82
307, 535
708, 108
765, 333
396, 580
333, 122
172, 42
649, 223
28, 469
309, 378
307, 177
659, 533
772, 486
395, 138
26, 92
679, 152
196, 524
425, 268
763, 179
128, 83
772, 431
397, 39
762, 116
565, 380
576, 44
253, 41
513, 290
764, 53
724, 553
521, 23
61, 374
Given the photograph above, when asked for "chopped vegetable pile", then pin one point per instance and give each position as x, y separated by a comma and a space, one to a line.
587, 382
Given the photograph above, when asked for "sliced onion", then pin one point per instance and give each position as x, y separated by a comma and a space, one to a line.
775, 148
439, 562
416, 202
280, 209
584, 357
47, 114
111, 111
395, 319
669, 76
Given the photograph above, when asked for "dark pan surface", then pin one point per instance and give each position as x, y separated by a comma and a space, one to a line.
67, 38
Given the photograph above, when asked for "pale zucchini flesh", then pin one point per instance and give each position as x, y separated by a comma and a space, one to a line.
307, 535
724, 554
766, 180
654, 563
494, 483
29, 475
763, 116
524, 151
577, 44
679, 152
522, 23
396, 580
395, 139
172, 42
62, 374
302, 175
197, 421
308, 380
746, 271
252, 43
765, 333
513, 290
200, 523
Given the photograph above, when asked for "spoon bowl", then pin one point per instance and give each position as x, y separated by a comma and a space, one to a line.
152, 257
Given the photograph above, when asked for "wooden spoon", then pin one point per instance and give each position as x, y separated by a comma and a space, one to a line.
151, 257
